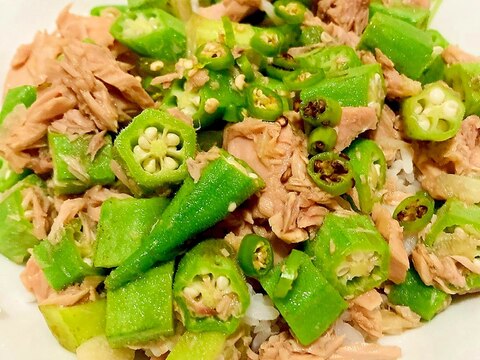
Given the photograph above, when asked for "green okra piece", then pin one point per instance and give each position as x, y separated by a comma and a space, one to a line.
351, 253
73, 325
456, 231
25, 94
414, 15
360, 86
333, 60
151, 32
101, 9
210, 289
17, 232
410, 49
199, 346
142, 310
311, 35
436, 114
369, 170
209, 138
153, 150
312, 304
464, 78
424, 300
224, 184
122, 226
74, 169
61, 261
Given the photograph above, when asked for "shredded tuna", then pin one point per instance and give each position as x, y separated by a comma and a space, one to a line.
445, 272
354, 121
364, 314
453, 55
34, 281
73, 122
396, 319
392, 231
387, 134
348, 14
197, 78
278, 154
398, 85
195, 166
38, 209
236, 10
180, 115
95, 28
67, 211
328, 346
96, 143
333, 34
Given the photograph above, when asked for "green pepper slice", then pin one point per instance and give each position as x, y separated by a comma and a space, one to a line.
311, 35
255, 255
331, 173
435, 114
268, 42
369, 168
245, 67
25, 95
263, 103
321, 139
321, 111
415, 212
151, 32
209, 289
215, 56
301, 79
292, 12
153, 149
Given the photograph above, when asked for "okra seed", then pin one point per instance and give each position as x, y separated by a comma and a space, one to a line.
144, 143
196, 100
170, 163
151, 133
211, 105
423, 122
191, 292
150, 165
450, 109
139, 153
418, 109
222, 283
172, 139
437, 96
157, 65
240, 82
232, 206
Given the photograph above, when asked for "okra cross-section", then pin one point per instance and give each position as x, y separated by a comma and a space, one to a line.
210, 290
224, 184
311, 305
351, 253
153, 149
435, 114
74, 169
465, 79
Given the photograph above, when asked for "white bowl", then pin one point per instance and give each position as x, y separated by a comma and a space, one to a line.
24, 335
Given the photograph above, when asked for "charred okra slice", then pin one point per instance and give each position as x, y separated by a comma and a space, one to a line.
74, 169
351, 253
17, 234
153, 150
311, 305
436, 114
199, 346
465, 79
425, 300
320, 111
415, 212
142, 310
122, 226
194, 209
414, 15
333, 60
359, 86
209, 289
73, 325
151, 32
411, 49
331, 172
61, 260
369, 171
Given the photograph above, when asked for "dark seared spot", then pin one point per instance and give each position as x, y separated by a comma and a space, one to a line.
331, 171
315, 108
